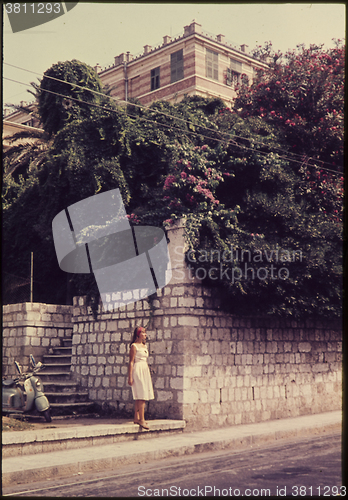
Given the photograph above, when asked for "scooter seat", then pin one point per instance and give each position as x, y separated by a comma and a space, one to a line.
8, 382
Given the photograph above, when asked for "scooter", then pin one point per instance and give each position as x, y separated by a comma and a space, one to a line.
25, 393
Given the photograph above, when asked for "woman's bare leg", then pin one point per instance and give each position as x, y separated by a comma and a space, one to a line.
136, 411
142, 413
142, 410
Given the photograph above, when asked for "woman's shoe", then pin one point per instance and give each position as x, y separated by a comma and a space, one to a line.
143, 425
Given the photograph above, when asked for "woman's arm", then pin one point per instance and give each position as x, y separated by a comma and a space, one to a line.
132, 352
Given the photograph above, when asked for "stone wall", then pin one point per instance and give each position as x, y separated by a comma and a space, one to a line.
101, 352
242, 370
208, 367
32, 328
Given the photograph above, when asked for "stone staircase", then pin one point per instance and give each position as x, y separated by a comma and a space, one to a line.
65, 395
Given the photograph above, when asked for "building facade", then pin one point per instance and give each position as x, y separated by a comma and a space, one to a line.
10, 128
195, 63
23, 119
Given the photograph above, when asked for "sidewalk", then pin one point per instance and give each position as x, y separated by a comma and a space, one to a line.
103, 449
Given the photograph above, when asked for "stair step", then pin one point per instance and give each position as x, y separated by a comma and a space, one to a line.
75, 393
60, 385
72, 405
66, 352
57, 367
51, 377
67, 397
63, 393
61, 350
72, 436
52, 358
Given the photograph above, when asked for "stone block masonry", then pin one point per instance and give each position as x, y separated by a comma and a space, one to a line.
208, 367
32, 328
100, 355
246, 370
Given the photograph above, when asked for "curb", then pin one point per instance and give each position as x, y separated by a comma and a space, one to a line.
108, 457
50, 440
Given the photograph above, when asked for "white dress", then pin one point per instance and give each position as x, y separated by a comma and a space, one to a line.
142, 383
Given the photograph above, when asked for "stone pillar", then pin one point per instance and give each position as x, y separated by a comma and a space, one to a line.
101, 346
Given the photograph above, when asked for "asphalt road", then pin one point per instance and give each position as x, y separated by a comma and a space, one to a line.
301, 467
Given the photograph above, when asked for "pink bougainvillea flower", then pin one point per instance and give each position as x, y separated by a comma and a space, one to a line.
169, 181
132, 218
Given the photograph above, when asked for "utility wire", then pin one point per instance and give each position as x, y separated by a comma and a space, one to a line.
198, 134
117, 99
302, 161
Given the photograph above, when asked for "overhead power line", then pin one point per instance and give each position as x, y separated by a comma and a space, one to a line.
302, 160
117, 99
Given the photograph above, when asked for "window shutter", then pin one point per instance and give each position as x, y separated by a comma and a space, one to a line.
177, 66
236, 66
212, 64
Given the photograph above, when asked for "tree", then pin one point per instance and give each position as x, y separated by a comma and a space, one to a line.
246, 200
79, 160
252, 228
302, 93
66, 93
28, 148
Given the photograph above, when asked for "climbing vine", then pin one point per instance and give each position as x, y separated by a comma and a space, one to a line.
263, 212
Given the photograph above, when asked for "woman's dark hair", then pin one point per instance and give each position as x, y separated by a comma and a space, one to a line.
135, 334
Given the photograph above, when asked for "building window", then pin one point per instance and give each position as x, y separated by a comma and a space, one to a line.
244, 79
234, 74
177, 66
29, 123
155, 78
232, 78
212, 64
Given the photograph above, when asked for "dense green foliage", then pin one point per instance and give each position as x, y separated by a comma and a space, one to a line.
60, 103
260, 226
256, 224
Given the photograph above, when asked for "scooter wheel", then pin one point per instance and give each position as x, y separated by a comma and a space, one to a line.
47, 415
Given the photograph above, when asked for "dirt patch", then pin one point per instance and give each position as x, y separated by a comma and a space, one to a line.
16, 424
13, 424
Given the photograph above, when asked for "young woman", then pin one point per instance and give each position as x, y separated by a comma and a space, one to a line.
139, 377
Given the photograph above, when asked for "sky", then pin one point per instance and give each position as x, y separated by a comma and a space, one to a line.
97, 32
